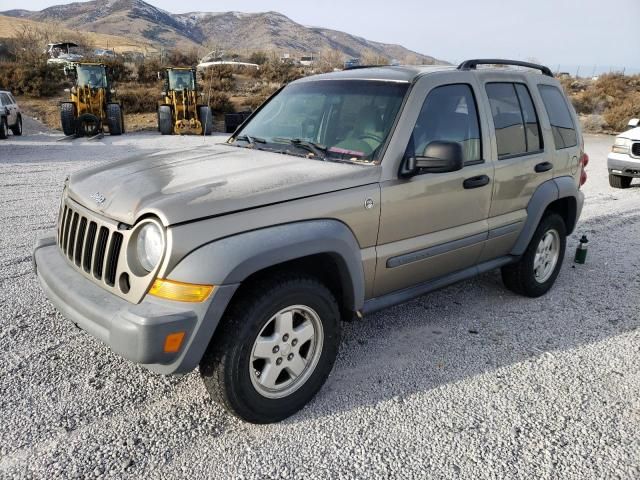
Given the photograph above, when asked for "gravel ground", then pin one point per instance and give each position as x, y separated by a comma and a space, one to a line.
468, 382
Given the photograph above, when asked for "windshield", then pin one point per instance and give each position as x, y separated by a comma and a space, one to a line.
334, 119
91, 75
181, 79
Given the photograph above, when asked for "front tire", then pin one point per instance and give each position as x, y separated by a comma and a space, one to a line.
618, 181
205, 116
4, 129
535, 273
68, 118
277, 345
115, 119
165, 120
17, 128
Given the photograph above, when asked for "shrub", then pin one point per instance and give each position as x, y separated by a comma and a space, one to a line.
611, 100
36, 80
258, 57
148, 70
181, 58
220, 102
617, 116
139, 99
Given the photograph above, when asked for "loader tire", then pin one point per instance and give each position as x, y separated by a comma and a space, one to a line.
205, 115
4, 128
114, 119
68, 118
165, 120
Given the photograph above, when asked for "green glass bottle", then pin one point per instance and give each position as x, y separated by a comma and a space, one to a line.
581, 251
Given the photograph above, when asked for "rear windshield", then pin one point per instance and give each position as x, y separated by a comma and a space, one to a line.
347, 119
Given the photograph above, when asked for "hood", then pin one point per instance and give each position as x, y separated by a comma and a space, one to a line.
633, 134
179, 186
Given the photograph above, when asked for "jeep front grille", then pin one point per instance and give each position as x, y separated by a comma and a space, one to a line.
91, 245
96, 247
635, 149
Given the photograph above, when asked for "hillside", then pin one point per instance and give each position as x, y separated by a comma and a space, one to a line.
239, 32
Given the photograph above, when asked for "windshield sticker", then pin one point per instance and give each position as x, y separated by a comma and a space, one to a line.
344, 151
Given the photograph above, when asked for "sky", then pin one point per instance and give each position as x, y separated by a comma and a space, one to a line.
590, 34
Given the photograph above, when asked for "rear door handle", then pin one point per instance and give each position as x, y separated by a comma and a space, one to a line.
543, 167
475, 182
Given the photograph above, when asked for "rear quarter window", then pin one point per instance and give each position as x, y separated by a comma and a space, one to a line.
562, 126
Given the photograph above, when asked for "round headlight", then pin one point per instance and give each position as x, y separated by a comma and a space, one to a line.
149, 246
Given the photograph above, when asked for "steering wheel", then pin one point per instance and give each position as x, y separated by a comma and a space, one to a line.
370, 136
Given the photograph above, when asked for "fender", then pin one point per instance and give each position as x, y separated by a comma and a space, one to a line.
231, 260
547, 193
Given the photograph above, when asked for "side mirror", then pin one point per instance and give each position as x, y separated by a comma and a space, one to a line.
438, 157
633, 123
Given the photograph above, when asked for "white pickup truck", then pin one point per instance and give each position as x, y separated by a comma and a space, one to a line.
624, 160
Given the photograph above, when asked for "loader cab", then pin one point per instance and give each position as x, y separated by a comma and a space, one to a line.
181, 79
92, 76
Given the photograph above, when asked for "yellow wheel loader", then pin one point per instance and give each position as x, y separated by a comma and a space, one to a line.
92, 107
180, 113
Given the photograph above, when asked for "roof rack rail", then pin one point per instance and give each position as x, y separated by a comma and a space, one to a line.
359, 67
472, 64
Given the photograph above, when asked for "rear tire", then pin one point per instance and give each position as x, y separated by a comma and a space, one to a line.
4, 128
114, 119
618, 181
205, 116
68, 118
536, 271
165, 120
238, 369
17, 128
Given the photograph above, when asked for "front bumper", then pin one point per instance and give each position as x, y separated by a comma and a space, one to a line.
135, 331
623, 164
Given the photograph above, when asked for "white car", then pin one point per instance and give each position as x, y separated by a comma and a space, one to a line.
624, 160
10, 115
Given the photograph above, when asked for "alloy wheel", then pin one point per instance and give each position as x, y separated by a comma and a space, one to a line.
286, 351
546, 257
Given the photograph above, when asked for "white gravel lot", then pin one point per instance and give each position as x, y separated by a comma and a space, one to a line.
468, 382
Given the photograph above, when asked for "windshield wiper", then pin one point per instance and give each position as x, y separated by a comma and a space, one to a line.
251, 140
316, 148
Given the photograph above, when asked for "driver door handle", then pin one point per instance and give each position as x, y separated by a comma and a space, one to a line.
543, 167
476, 182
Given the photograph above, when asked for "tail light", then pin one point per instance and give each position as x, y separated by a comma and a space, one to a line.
584, 161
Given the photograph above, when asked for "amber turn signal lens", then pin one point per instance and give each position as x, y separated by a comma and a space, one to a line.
173, 342
180, 291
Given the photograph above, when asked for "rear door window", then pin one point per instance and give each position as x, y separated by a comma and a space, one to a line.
562, 126
515, 119
530, 118
507, 119
5, 99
